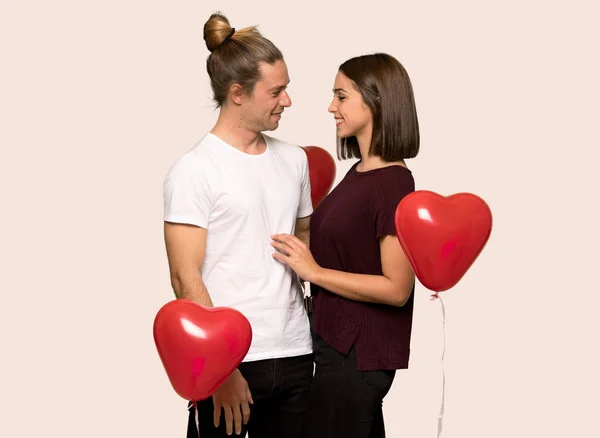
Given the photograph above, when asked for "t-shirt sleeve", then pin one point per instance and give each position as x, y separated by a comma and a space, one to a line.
305, 208
389, 194
187, 194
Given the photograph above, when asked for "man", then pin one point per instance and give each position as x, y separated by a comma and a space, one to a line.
224, 199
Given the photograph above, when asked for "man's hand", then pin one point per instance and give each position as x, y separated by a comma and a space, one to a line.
234, 397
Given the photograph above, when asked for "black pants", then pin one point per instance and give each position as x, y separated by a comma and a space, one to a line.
343, 401
279, 388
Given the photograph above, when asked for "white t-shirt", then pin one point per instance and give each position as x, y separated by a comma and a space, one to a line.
242, 200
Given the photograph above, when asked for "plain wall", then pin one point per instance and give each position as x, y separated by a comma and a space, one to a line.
98, 98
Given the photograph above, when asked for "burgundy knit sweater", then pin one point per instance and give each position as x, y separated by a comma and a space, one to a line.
345, 231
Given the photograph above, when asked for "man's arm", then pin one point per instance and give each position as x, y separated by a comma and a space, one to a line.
305, 208
186, 245
303, 233
303, 230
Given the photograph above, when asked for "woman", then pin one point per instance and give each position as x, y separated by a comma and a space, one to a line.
360, 278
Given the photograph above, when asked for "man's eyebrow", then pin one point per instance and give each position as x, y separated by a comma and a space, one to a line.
279, 87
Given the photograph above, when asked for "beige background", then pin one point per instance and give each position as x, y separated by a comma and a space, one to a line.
98, 98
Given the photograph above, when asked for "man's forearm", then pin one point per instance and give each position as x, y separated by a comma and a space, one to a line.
304, 236
191, 287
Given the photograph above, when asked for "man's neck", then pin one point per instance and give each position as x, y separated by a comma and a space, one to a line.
230, 129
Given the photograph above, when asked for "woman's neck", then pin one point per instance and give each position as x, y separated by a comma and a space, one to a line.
369, 161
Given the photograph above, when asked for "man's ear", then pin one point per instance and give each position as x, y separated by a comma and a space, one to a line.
237, 94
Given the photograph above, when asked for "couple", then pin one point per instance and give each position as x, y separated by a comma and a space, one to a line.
240, 230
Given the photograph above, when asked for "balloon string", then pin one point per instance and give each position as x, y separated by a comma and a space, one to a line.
198, 421
194, 406
441, 414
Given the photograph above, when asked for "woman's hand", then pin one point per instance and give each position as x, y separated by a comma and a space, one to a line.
294, 253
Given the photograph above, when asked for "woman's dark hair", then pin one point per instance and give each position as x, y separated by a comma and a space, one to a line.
386, 89
235, 56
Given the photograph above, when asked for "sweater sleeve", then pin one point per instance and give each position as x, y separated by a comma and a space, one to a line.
388, 195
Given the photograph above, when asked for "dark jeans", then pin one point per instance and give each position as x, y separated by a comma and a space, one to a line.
343, 401
279, 388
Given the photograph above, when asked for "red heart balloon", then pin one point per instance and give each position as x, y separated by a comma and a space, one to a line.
322, 169
442, 235
200, 346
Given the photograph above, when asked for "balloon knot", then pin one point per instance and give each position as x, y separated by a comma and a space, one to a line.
435, 296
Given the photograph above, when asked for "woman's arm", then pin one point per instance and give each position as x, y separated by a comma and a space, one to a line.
393, 287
